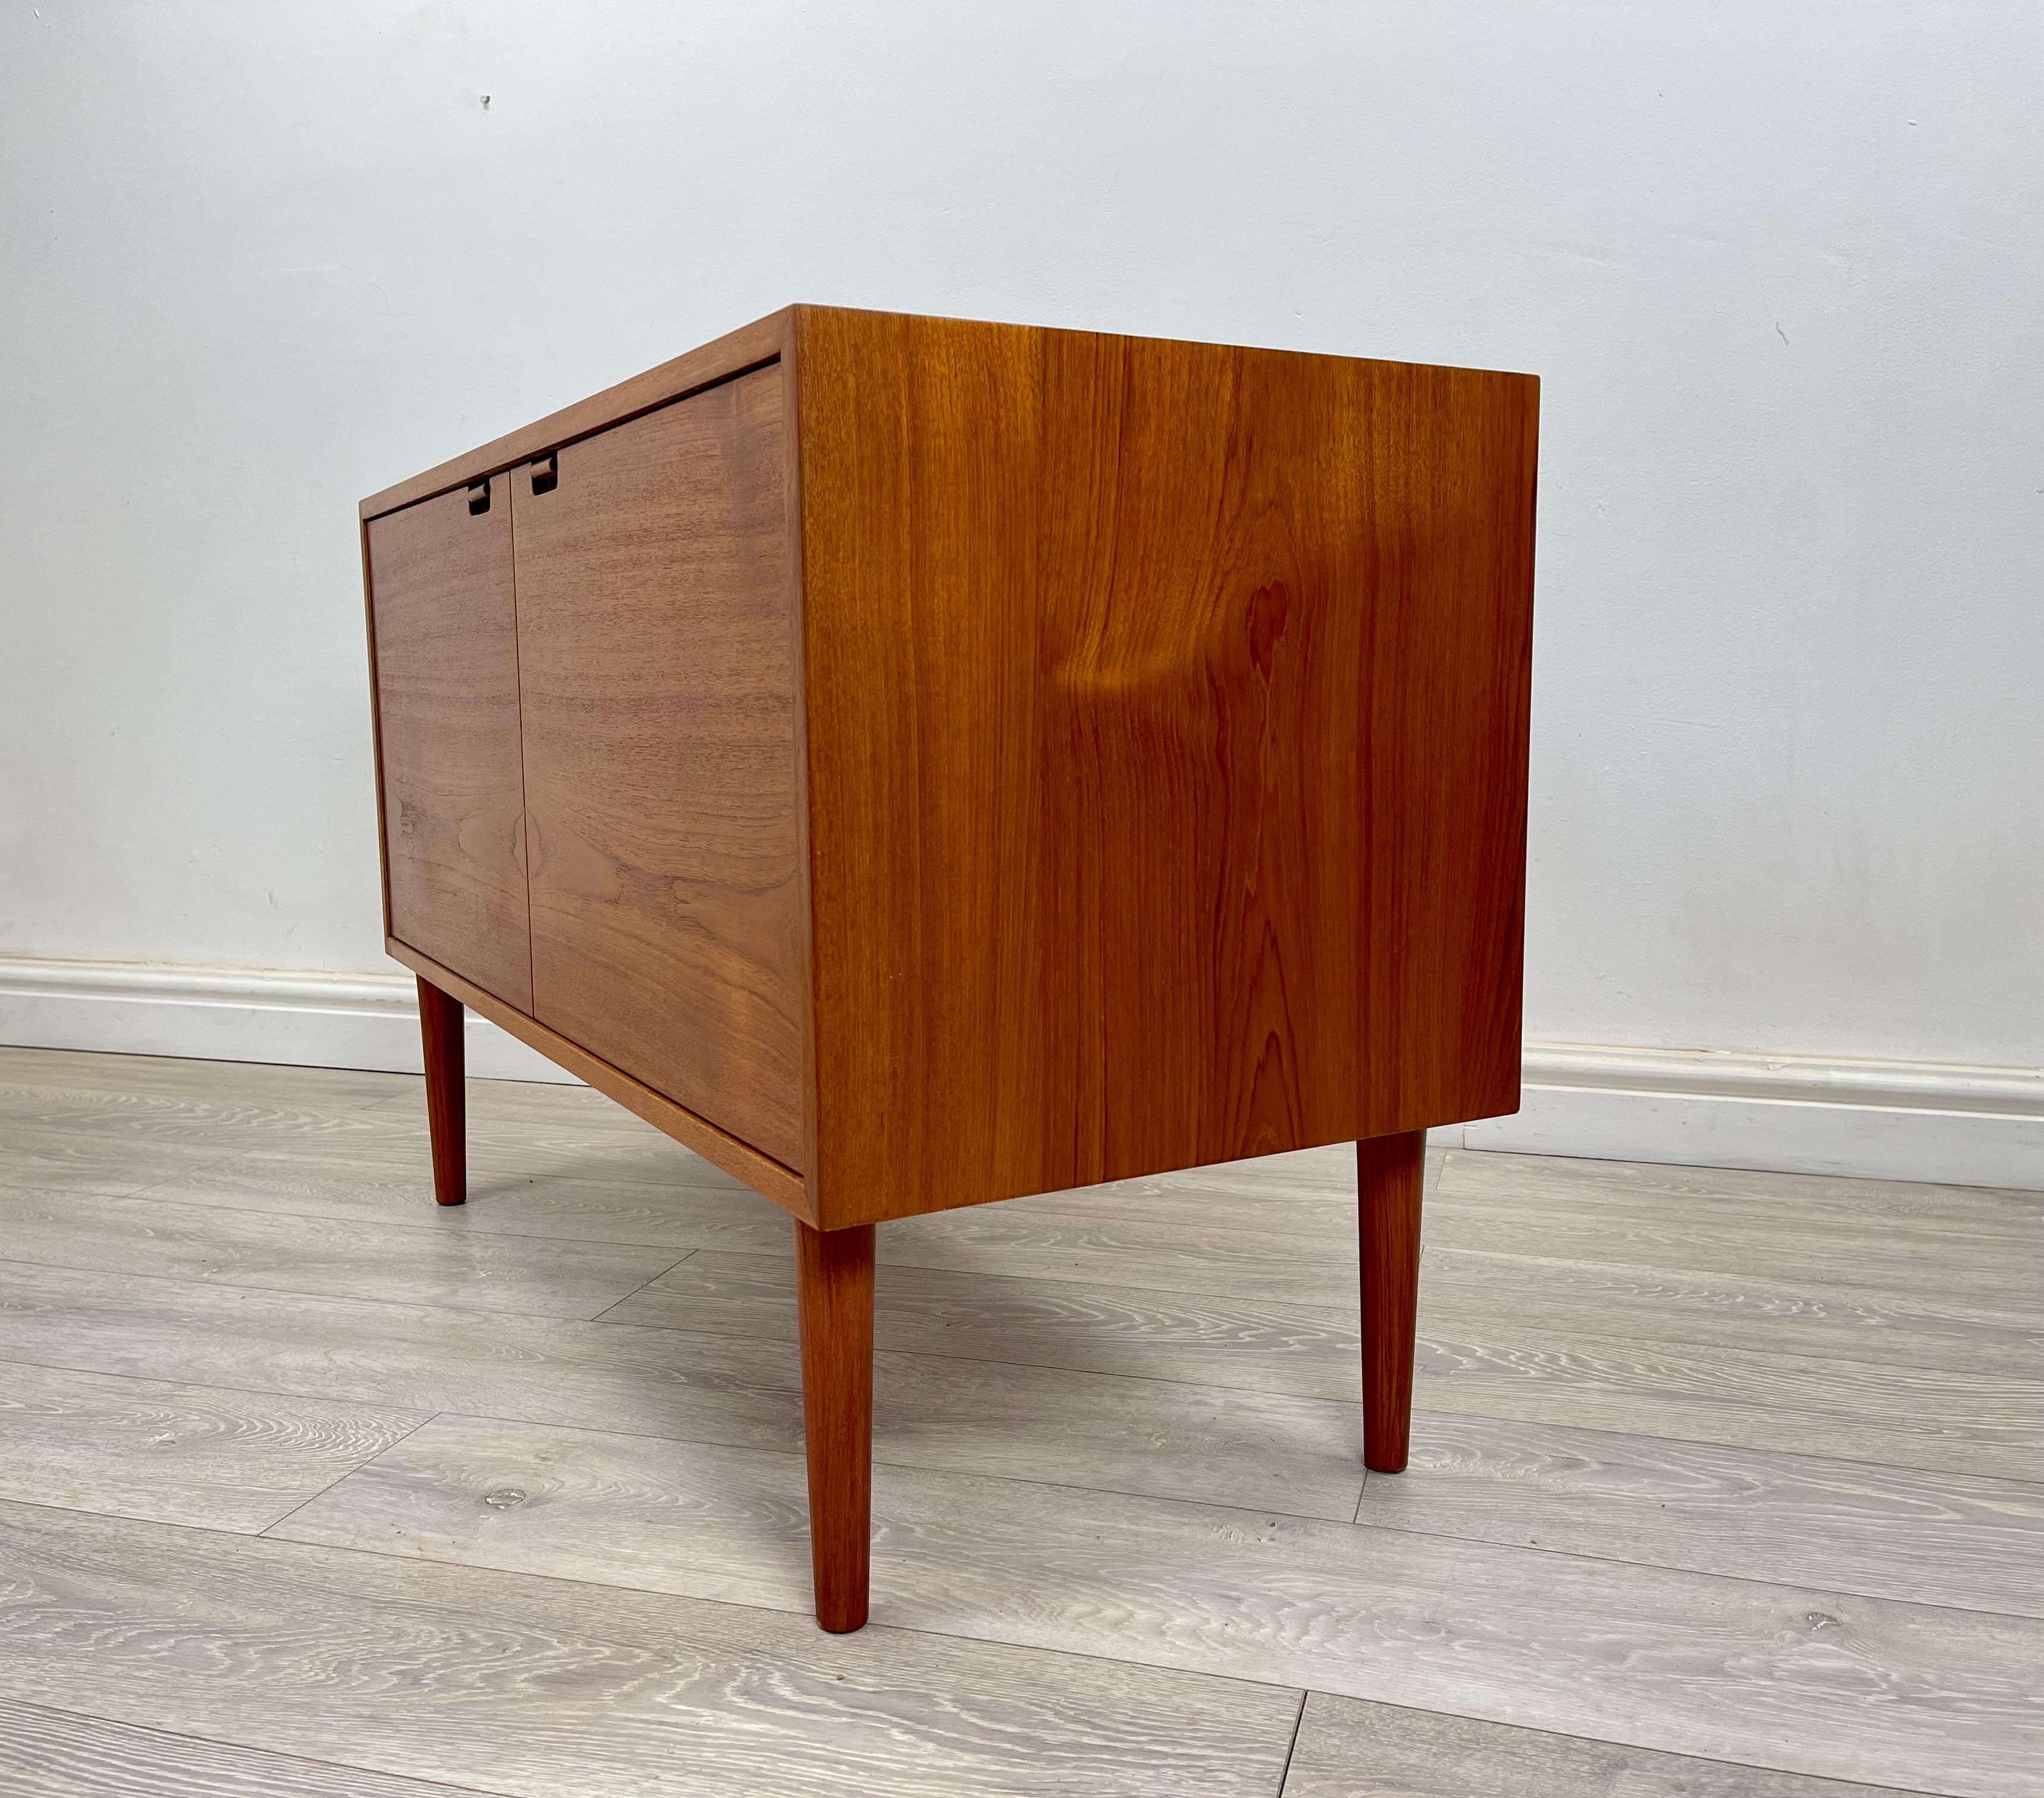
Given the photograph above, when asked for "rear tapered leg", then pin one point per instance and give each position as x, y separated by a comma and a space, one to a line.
447, 1106
1389, 1171
834, 1288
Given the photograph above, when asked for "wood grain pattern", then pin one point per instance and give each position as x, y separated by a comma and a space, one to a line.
1892, 1530
446, 1092
1023, 1422
834, 1288
749, 346
1167, 715
445, 647
1346, 1749
182, 1453
138, 1077
1935, 1325
1931, 1536
1741, 1196
552, 1690
47, 1753
656, 637
507, 1196
1989, 1270
1633, 1389
428, 1263
1769, 1674
1587, 1432
1389, 1173
45, 1159
763, 1174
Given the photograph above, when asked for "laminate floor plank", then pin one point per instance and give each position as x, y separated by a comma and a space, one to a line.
502, 1199
1722, 1482
1314, 1350
1868, 1525
1306, 1262
47, 1753
1318, 1187
1987, 1423
1806, 1200
1886, 1531
1987, 1267
45, 1157
430, 1263
1349, 1748
1297, 1455
1309, 1188
1808, 1681
1300, 1266
209, 1121
524, 1104
177, 1452
238, 1082
546, 1689
1831, 1320
375, 1138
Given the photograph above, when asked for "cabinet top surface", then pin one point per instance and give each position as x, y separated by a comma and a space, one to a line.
752, 346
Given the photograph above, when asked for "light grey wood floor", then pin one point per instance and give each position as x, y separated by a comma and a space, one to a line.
1723, 1483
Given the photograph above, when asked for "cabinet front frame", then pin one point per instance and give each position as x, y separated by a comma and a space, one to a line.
754, 348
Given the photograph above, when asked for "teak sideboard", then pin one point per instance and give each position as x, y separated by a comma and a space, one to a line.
916, 763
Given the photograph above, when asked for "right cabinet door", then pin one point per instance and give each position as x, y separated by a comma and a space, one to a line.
657, 674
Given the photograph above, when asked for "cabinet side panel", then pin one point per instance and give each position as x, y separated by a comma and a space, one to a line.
657, 662
1167, 729
447, 709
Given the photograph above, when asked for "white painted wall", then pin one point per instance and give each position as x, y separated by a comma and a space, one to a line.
1779, 265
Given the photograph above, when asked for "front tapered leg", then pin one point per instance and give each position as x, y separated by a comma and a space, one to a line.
447, 1097
834, 1290
1390, 1171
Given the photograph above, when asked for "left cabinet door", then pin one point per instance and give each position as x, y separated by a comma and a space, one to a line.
446, 637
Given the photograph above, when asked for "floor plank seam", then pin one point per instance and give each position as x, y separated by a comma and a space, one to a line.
1721, 1449
600, 1315
1868, 1417
1828, 1587
17, 1360
291, 1754
1355, 1519
796, 1608
1292, 1746
1856, 1786
876, 1629
435, 1231
368, 1461
796, 1454
219, 1285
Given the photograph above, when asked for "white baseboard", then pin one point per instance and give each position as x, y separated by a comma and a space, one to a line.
1799, 1114
1880, 1120
240, 1015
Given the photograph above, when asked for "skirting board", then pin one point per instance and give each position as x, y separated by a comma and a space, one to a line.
1796, 1114
240, 1015
1878, 1119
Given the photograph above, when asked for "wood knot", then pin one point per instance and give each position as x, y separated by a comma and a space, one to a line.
1269, 608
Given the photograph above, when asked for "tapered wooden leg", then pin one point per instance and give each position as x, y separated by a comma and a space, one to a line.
834, 1288
1389, 1172
447, 1097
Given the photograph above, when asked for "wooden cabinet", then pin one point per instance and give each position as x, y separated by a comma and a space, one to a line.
918, 763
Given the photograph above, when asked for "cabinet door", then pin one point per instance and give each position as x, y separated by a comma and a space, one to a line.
656, 645
447, 703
